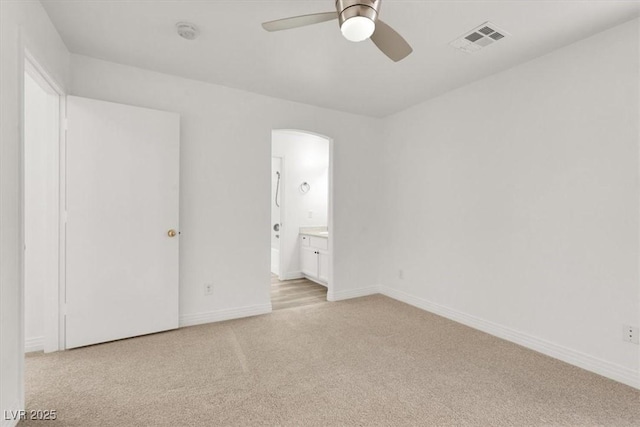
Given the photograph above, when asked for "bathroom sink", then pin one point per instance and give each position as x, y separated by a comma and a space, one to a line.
323, 233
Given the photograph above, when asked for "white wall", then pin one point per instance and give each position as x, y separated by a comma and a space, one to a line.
512, 203
226, 177
513, 200
306, 159
25, 22
41, 133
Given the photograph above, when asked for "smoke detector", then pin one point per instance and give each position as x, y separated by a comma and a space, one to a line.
187, 30
480, 37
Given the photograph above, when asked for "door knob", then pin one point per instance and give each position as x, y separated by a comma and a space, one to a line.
171, 233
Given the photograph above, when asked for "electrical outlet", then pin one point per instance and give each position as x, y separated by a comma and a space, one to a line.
630, 334
310, 214
208, 288
401, 274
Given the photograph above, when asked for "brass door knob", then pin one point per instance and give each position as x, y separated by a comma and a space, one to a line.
171, 233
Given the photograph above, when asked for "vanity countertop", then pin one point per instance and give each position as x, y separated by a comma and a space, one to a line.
315, 231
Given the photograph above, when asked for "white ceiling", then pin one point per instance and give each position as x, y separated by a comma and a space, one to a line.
316, 65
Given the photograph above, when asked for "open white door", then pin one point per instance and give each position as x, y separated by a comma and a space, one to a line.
122, 172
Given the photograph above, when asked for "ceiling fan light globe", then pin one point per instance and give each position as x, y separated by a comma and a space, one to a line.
357, 28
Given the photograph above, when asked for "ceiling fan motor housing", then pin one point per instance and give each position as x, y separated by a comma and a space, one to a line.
351, 8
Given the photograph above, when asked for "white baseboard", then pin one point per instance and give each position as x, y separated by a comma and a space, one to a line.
291, 275
314, 280
607, 369
33, 344
226, 314
352, 293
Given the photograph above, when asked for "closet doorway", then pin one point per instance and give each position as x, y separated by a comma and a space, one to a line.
42, 135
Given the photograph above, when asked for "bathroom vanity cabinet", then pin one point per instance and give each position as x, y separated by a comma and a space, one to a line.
314, 258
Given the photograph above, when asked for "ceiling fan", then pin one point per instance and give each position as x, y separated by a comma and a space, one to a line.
358, 21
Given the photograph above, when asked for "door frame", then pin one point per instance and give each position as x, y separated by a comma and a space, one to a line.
54, 289
330, 227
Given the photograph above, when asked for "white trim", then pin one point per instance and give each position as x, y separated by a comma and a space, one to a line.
33, 344
41, 74
53, 338
60, 304
607, 369
352, 293
226, 314
292, 275
21, 244
638, 169
316, 280
331, 284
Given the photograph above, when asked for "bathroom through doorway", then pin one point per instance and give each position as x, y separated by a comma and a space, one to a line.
300, 218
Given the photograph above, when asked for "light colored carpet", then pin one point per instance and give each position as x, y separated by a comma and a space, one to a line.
364, 362
295, 293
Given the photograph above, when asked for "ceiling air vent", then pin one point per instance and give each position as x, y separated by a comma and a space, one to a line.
481, 36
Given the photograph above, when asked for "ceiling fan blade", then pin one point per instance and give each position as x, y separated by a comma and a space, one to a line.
390, 42
299, 21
